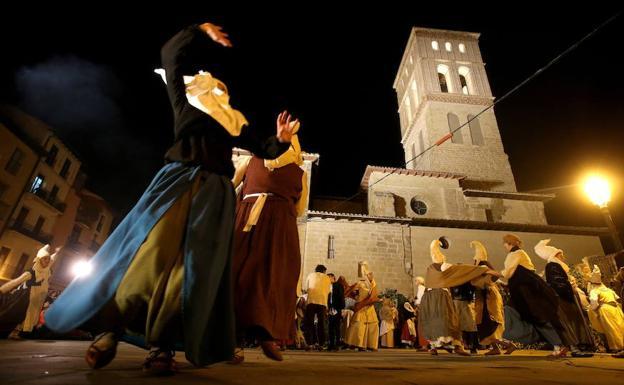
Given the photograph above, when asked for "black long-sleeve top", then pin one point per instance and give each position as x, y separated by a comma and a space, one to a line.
199, 139
558, 279
337, 297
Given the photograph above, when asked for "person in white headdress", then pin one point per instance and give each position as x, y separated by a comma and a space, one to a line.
437, 314
363, 330
532, 314
605, 314
389, 317
464, 302
574, 332
273, 195
36, 281
420, 289
490, 316
408, 328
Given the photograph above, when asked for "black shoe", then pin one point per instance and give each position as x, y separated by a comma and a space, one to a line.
580, 354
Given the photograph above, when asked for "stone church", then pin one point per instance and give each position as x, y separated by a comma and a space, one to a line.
463, 188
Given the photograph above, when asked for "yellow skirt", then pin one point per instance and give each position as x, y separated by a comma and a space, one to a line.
609, 320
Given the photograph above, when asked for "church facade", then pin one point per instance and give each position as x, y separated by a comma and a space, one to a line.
457, 182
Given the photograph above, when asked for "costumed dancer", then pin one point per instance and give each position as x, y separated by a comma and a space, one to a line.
409, 334
23, 297
266, 259
164, 277
363, 330
490, 317
437, 313
419, 283
389, 316
463, 300
532, 313
347, 312
605, 314
336, 306
575, 330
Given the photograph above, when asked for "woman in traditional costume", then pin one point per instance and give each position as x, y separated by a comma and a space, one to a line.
437, 314
363, 330
605, 313
389, 316
575, 331
532, 314
164, 277
25, 295
267, 260
490, 317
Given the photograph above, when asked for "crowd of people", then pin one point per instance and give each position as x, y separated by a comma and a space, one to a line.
208, 260
466, 308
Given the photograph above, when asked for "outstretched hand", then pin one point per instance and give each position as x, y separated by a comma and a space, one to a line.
215, 32
285, 126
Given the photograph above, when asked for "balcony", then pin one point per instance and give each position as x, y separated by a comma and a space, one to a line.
52, 201
30, 232
94, 246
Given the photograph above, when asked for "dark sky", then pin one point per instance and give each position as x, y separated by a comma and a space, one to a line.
88, 72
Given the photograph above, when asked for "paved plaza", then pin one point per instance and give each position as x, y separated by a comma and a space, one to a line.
62, 362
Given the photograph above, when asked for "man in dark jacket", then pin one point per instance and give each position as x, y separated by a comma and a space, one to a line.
336, 305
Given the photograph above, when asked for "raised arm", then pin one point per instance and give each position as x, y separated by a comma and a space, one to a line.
180, 56
273, 146
12, 284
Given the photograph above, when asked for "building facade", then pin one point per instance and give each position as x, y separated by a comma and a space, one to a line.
40, 186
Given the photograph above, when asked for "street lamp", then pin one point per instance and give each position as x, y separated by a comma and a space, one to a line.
81, 269
599, 192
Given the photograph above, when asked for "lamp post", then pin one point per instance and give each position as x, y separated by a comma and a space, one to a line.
599, 192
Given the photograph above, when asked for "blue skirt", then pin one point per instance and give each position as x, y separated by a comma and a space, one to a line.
207, 302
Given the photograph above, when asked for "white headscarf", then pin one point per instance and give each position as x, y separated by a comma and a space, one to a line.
43, 273
549, 253
480, 251
210, 95
436, 254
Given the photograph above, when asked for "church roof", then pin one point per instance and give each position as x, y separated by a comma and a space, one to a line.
404, 171
465, 224
436, 31
509, 195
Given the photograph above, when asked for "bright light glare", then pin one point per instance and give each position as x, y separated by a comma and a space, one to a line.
598, 190
82, 269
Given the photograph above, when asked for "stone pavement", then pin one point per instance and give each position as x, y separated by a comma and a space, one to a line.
62, 362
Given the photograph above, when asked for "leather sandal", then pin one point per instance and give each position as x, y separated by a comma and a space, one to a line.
98, 358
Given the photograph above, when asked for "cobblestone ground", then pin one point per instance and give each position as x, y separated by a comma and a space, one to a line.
62, 362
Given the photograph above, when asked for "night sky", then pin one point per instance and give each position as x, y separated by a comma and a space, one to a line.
87, 71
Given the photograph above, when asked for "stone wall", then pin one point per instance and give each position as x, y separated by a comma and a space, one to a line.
397, 252
385, 246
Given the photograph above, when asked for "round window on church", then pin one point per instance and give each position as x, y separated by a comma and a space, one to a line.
418, 206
